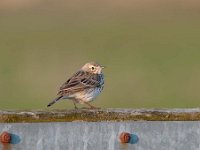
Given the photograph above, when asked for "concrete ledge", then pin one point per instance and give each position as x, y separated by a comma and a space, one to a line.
98, 115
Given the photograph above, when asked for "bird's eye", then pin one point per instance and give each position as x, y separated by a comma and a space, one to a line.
92, 68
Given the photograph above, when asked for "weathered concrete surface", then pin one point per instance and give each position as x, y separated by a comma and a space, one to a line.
97, 115
153, 135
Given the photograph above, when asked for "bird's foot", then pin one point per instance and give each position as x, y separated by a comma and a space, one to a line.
93, 107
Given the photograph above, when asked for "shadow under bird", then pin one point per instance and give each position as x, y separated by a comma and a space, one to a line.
83, 87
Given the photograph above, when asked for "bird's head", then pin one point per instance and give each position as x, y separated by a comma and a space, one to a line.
92, 67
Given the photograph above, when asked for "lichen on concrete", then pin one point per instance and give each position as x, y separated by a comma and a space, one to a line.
98, 115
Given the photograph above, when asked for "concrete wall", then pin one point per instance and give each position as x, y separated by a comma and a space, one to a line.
159, 135
103, 135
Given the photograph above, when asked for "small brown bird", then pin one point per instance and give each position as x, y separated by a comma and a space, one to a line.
83, 86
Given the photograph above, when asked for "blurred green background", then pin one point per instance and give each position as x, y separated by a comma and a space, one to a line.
151, 50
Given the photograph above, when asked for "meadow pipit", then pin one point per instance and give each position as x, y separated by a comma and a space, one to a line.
83, 86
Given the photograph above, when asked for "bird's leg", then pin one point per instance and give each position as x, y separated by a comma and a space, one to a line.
91, 106
75, 107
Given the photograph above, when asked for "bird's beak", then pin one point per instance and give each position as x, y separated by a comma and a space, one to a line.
102, 67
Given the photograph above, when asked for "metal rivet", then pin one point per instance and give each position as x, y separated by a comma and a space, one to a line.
5, 137
125, 137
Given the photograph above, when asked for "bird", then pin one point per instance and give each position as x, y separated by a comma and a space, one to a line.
83, 86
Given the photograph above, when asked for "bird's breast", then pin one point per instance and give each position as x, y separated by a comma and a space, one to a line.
88, 94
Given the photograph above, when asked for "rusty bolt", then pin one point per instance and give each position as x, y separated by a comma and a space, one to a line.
5, 137
125, 137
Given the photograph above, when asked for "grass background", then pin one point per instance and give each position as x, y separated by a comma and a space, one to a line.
151, 50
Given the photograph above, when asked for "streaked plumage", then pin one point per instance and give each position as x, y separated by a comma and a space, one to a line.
85, 85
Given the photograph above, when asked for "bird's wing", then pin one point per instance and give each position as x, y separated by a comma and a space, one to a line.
79, 81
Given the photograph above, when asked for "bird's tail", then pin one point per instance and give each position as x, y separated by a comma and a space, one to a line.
54, 101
